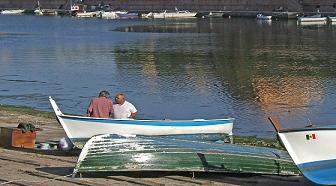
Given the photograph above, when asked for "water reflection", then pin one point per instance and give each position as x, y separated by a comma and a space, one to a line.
272, 74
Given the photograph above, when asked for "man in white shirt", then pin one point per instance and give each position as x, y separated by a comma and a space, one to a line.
123, 109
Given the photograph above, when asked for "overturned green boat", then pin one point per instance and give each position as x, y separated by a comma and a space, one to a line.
105, 153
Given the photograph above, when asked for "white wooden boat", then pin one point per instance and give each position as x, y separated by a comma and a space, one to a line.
85, 14
314, 18
79, 129
171, 14
38, 11
312, 150
111, 14
263, 17
12, 12
128, 15
332, 19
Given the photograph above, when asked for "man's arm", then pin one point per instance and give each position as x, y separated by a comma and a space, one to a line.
89, 109
133, 115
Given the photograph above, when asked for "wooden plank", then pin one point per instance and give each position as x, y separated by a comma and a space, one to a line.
29, 162
64, 179
138, 181
11, 182
190, 180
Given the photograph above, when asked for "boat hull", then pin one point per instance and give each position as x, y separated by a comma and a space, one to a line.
164, 15
77, 127
106, 153
312, 150
308, 19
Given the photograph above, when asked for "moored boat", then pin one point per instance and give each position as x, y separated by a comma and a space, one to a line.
79, 129
312, 150
12, 12
313, 18
332, 19
111, 14
171, 14
128, 15
264, 17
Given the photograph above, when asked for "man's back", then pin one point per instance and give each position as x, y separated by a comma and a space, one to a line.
100, 107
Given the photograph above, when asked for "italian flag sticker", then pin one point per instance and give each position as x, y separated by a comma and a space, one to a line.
311, 136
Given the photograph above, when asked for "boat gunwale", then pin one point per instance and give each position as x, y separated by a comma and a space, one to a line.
277, 127
143, 120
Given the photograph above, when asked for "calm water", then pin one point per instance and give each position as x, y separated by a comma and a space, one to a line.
177, 69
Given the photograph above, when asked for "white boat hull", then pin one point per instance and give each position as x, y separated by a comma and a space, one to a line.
77, 127
86, 14
12, 12
111, 15
332, 19
163, 15
312, 19
263, 17
313, 151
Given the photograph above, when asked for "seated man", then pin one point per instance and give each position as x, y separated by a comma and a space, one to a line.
101, 106
123, 109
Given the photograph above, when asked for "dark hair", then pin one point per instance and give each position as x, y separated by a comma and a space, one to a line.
104, 93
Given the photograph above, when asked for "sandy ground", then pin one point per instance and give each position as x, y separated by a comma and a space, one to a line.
52, 167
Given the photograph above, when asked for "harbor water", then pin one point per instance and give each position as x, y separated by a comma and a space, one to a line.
176, 69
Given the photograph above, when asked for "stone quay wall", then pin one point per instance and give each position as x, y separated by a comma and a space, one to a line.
192, 5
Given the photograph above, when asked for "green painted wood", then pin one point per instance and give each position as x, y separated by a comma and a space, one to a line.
117, 153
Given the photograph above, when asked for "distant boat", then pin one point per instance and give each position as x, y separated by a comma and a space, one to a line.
127, 15
171, 14
332, 19
263, 17
49, 12
38, 10
312, 150
86, 14
12, 12
79, 129
110, 14
313, 18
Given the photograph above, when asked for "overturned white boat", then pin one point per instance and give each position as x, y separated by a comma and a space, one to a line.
312, 150
79, 129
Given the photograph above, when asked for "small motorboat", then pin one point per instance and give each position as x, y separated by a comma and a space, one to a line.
111, 14
12, 12
128, 15
264, 17
332, 19
172, 14
313, 18
312, 150
79, 129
